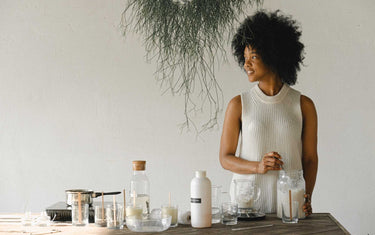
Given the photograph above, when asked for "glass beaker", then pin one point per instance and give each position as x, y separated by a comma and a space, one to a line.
246, 193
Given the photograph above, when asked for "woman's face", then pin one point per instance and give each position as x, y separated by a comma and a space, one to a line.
255, 69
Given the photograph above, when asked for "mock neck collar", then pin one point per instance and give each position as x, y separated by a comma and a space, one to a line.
271, 99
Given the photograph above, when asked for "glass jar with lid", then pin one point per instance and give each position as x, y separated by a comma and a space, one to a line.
140, 187
293, 181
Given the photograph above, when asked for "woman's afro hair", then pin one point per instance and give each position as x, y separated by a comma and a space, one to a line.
275, 37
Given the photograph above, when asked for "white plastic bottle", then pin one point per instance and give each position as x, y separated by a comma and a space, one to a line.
200, 201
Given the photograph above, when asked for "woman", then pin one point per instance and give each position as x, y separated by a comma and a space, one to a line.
278, 125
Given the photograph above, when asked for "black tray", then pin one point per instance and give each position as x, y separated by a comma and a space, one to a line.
251, 216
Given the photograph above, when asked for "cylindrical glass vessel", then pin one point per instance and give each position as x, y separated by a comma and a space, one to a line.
80, 214
293, 181
140, 186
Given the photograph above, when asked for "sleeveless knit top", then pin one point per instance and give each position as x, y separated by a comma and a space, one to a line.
270, 123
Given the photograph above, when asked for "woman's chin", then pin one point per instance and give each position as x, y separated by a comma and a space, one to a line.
251, 79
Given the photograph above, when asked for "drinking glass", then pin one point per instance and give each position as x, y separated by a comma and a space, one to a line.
229, 212
100, 216
132, 210
215, 202
80, 214
171, 210
290, 212
114, 216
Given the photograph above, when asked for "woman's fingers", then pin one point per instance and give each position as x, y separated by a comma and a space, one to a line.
307, 208
273, 154
272, 161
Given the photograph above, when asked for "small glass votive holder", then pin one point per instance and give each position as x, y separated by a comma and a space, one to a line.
290, 212
114, 216
80, 214
100, 216
135, 211
229, 213
171, 210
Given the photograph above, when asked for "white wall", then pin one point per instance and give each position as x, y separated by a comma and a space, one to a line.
78, 103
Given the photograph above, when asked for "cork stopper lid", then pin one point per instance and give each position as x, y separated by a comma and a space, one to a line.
139, 165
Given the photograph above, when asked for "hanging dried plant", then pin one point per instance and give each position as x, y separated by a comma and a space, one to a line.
187, 38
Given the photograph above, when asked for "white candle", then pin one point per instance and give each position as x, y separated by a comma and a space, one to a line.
136, 211
172, 211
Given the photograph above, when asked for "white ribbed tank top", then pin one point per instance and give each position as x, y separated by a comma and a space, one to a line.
270, 123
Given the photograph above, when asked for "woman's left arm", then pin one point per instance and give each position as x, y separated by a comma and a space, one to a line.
309, 148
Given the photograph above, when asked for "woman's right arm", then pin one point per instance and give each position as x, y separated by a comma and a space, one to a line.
229, 141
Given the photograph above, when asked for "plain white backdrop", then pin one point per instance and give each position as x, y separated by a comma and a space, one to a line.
78, 103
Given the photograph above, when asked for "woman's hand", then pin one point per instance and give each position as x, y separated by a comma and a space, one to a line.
270, 161
307, 206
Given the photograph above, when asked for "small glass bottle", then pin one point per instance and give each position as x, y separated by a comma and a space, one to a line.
140, 187
293, 181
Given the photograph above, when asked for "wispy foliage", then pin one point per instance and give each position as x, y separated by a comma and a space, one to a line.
187, 38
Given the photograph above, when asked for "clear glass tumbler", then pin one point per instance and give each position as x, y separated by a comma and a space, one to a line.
100, 216
114, 216
215, 203
171, 210
132, 210
290, 212
80, 214
229, 213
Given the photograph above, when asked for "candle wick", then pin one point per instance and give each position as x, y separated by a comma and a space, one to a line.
169, 199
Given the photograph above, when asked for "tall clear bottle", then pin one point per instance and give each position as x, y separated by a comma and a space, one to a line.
140, 186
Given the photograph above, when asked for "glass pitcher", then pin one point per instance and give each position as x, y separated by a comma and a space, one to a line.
291, 184
246, 193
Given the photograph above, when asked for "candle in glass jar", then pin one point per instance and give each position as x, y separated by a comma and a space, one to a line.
172, 211
134, 211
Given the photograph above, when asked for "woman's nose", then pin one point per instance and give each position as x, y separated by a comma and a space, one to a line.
246, 64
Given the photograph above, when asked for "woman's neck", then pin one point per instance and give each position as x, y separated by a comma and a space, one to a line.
271, 87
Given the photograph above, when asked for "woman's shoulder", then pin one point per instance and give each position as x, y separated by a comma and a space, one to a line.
235, 106
235, 102
307, 106
306, 101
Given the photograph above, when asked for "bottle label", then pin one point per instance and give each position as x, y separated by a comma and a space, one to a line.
196, 200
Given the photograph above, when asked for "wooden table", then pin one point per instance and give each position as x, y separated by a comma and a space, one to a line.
317, 223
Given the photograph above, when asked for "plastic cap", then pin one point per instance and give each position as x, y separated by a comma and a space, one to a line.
200, 173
